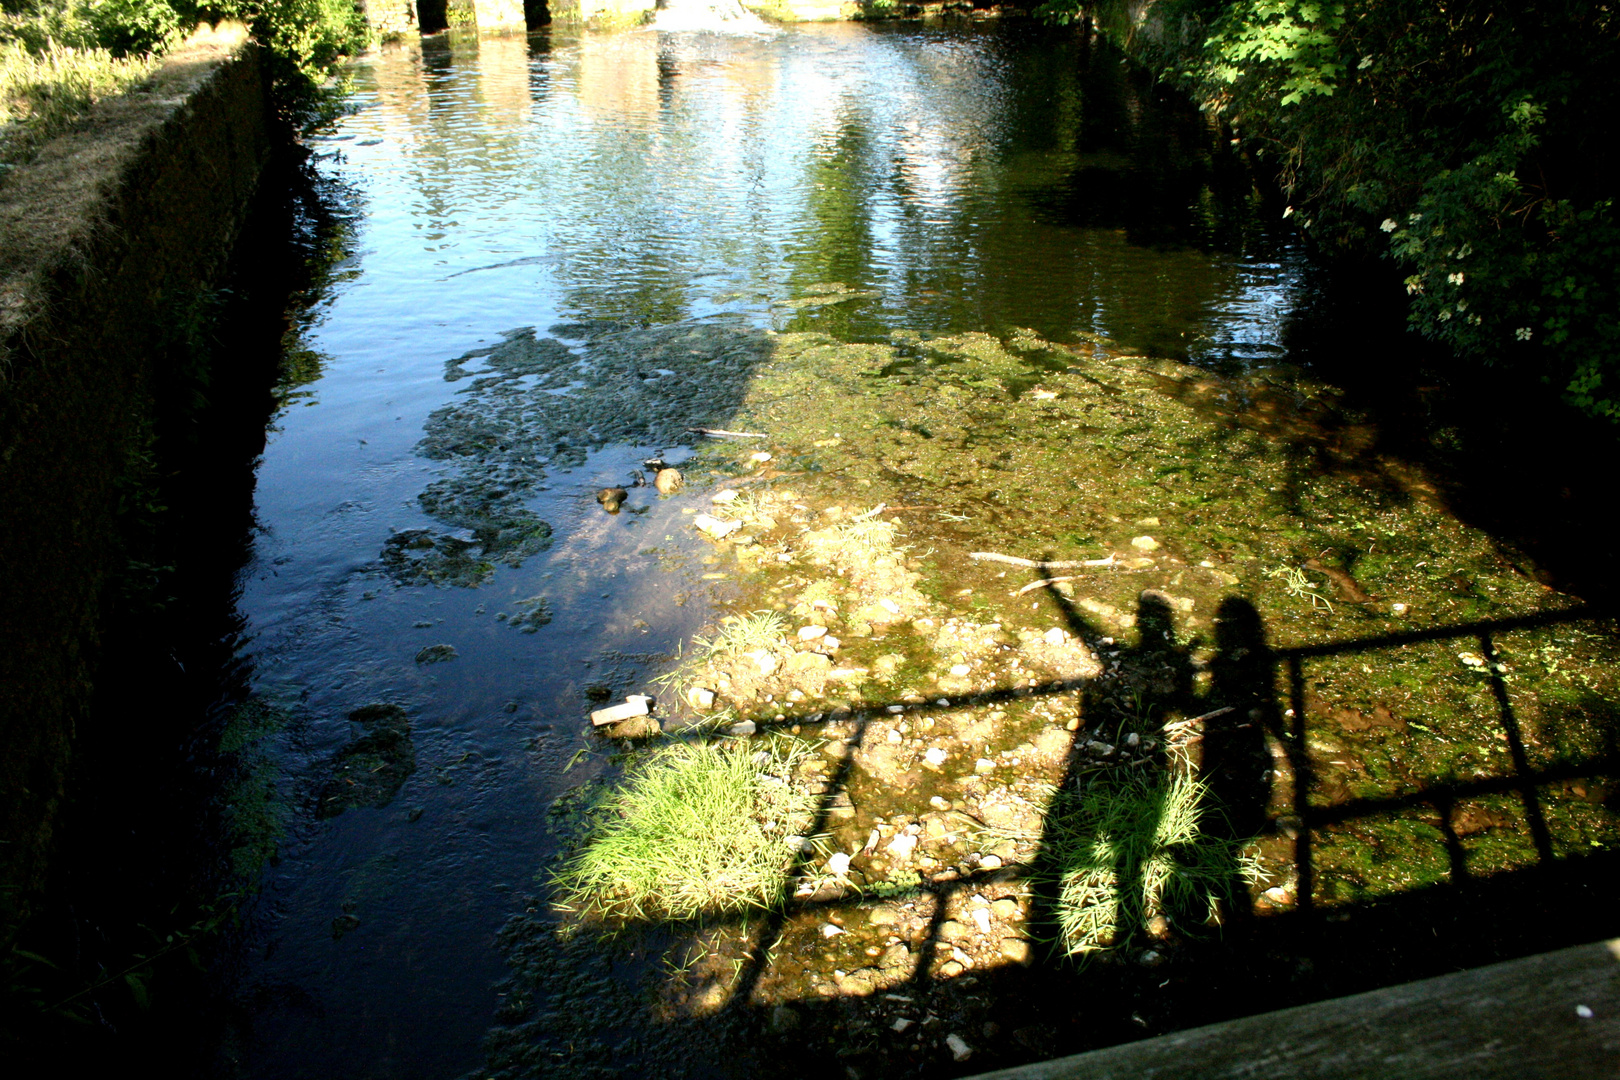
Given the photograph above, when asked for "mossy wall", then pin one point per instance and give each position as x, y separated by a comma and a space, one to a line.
106, 238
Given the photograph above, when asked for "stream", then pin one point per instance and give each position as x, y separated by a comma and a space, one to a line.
981, 274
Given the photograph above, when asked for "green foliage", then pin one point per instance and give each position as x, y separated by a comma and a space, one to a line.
1123, 848
693, 830
1471, 142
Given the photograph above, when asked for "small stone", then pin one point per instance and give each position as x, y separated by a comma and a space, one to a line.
667, 481
811, 633
902, 846
953, 931
895, 736
1072, 724
612, 498
1149, 523
984, 765
759, 457
765, 659
802, 844
1584, 1012
1399, 609
934, 758
1055, 636
1017, 950
960, 669
828, 930
436, 654
783, 1019
637, 727
1144, 543
715, 527
981, 916
896, 708
1159, 927
744, 727
830, 643
838, 863
960, 1050
1151, 958
901, 1023
938, 803
700, 697
883, 916
950, 969
1005, 908
721, 498
990, 862
889, 605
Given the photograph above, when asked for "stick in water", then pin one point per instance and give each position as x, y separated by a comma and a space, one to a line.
717, 433
1061, 564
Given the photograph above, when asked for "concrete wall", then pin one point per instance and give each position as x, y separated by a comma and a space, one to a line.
104, 236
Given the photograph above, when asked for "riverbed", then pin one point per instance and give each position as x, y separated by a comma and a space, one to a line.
955, 290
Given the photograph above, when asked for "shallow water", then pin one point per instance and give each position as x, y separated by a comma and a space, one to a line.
572, 248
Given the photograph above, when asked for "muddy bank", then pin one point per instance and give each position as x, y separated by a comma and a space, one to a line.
113, 239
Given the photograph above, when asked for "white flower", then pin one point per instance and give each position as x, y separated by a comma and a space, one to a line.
1445, 315
1413, 219
1455, 279
1388, 225
1288, 213
1366, 62
1467, 250
1522, 333
1462, 306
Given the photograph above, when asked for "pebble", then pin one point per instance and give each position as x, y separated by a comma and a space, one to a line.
903, 845
901, 1023
960, 669
935, 757
990, 862
828, 930
783, 1019
612, 498
1055, 636
1144, 543
760, 456
667, 481
895, 736
837, 863
1017, 950
811, 633
745, 727
830, 643
960, 1050
700, 697
765, 659
984, 765
1005, 908
982, 917
1399, 609
1151, 958
721, 498
950, 969
714, 527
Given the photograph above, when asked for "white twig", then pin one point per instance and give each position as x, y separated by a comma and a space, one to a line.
1060, 564
718, 433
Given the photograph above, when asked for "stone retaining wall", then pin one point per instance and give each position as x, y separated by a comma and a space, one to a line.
109, 235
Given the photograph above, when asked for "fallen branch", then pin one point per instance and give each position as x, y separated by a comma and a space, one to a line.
718, 433
1061, 564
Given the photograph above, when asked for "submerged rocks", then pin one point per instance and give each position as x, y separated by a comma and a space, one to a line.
436, 654
668, 481
612, 498
718, 528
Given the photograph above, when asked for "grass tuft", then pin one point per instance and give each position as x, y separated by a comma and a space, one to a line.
696, 829
1124, 848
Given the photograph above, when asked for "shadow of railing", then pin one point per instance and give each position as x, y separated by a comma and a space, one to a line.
1260, 959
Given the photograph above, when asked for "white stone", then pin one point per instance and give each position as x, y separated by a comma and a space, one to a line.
960, 1050
720, 498
716, 527
901, 1023
1056, 636
838, 863
990, 862
895, 736
700, 697
811, 633
744, 727
981, 916
765, 659
760, 456
828, 930
889, 605
1144, 543
935, 757
960, 669
830, 643
984, 765
902, 846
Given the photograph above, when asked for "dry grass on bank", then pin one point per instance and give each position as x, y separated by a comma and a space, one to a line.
43, 93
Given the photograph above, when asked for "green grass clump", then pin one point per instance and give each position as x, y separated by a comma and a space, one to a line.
738, 635
696, 829
1124, 848
42, 92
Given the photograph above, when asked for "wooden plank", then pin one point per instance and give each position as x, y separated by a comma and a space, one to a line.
1556, 1015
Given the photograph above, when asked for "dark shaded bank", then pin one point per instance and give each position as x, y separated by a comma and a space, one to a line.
164, 819
140, 358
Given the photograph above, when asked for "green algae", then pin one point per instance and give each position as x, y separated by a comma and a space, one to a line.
371, 768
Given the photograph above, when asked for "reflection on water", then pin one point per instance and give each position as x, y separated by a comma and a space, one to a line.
568, 188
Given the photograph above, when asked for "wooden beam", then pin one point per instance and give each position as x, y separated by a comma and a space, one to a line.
1556, 1015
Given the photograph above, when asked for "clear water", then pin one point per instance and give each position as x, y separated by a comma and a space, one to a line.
974, 178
